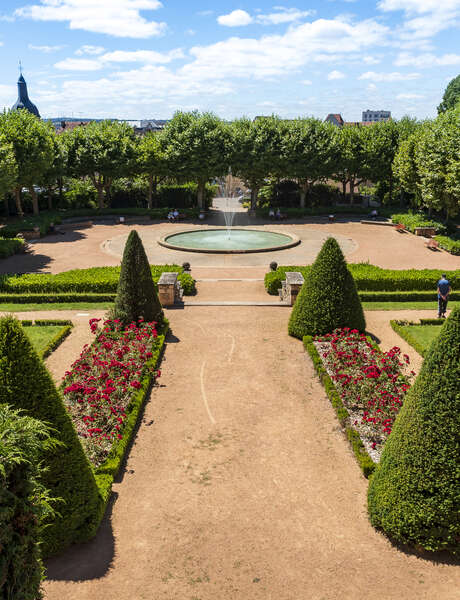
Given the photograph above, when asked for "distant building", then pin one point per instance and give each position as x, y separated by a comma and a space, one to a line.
64, 125
23, 100
371, 116
153, 124
335, 119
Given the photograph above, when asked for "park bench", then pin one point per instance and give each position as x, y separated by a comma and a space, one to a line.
432, 244
400, 227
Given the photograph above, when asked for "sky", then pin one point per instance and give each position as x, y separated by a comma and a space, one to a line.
135, 59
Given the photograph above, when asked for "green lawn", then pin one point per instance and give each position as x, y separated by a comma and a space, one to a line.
423, 334
41, 336
404, 306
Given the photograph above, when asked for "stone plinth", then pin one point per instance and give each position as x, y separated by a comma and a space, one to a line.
169, 289
294, 281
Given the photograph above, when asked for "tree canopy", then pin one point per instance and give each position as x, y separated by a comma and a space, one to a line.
451, 95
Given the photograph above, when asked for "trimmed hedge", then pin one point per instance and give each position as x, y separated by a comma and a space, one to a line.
24, 503
54, 298
8, 247
411, 221
414, 493
93, 280
298, 213
364, 460
371, 278
26, 384
42, 221
328, 299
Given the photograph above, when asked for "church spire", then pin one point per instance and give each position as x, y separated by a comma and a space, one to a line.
23, 100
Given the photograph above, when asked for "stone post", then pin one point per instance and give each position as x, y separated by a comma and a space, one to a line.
294, 281
167, 288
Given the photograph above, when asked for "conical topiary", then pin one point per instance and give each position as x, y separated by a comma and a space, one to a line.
136, 293
26, 384
414, 495
328, 298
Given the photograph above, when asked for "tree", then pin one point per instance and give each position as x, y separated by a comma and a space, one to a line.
438, 163
26, 384
351, 166
101, 151
451, 95
24, 503
32, 144
136, 293
257, 151
195, 145
405, 167
328, 298
51, 178
381, 145
309, 152
414, 493
8, 168
152, 161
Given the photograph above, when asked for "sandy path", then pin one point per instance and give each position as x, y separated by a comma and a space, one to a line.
241, 485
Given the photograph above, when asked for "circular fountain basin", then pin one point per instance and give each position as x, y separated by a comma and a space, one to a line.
233, 241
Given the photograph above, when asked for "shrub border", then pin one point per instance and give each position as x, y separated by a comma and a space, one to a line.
364, 460
397, 325
60, 297
105, 474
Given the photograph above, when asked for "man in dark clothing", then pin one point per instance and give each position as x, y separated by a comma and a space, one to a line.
443, 295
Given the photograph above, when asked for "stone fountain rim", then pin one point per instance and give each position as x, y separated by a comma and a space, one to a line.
295, 241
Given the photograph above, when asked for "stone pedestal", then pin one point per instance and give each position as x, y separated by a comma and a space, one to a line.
169, 289
294, 281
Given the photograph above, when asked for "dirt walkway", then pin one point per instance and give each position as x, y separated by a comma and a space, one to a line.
240, 485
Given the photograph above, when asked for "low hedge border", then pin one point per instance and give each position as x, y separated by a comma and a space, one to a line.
57, 340
364, 460
106, 473
448, 244
370, 278
54, 298
8, 247
398, 327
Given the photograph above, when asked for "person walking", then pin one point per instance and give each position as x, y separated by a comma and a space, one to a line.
444, 290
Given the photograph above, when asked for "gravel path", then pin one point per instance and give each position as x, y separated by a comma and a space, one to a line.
240, 484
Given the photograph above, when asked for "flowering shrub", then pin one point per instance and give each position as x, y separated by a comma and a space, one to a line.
100, 385
372, 384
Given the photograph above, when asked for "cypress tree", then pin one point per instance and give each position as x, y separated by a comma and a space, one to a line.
136, 293
414, 495
26, 384
328, 298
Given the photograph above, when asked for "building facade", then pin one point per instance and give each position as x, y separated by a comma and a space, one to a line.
23, 100
371, 116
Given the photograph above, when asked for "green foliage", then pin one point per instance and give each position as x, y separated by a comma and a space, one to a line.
372, 278
449, 244
328, 298
69, 475
413, 220
95, 280
451, 95
414, 493
8, 166
8, 247
364, 460
136, 293
419, 336
24, 503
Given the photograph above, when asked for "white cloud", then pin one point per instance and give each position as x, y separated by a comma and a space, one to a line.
371, 60
408, 96
388, 77
239, 18
92, 50
333, 75
236, 18
119, 56
306, 82
45, 49
424, 18
120, 18
371, 87
404, 59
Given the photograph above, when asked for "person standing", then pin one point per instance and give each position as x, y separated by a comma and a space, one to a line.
444, 290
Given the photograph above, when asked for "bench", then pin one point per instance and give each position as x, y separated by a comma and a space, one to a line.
425, 231
432, 244
400, 227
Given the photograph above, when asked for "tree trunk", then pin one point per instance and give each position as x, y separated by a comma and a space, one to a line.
344, 190
352, 191
50, 199
33, 193
7, 208
390, 191
150, 192
254, 194
17, 193
100, 195
200, 194
303, 193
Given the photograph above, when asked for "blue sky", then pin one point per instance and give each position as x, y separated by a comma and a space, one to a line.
145, 58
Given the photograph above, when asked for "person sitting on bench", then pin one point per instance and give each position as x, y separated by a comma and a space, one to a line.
374, 214
176, 214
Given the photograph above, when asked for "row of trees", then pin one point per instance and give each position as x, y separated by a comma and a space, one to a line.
200, 147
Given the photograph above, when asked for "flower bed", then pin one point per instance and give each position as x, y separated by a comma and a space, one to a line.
103, 381
371, 384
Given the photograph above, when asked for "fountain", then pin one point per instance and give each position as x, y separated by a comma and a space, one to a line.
229, 215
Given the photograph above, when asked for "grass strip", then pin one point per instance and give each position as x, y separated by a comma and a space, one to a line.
418, 335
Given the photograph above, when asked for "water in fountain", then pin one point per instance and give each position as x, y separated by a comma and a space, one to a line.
229, 214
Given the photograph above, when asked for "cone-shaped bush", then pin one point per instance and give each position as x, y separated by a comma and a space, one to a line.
328, 298
26, 384
414, 495
136, 294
